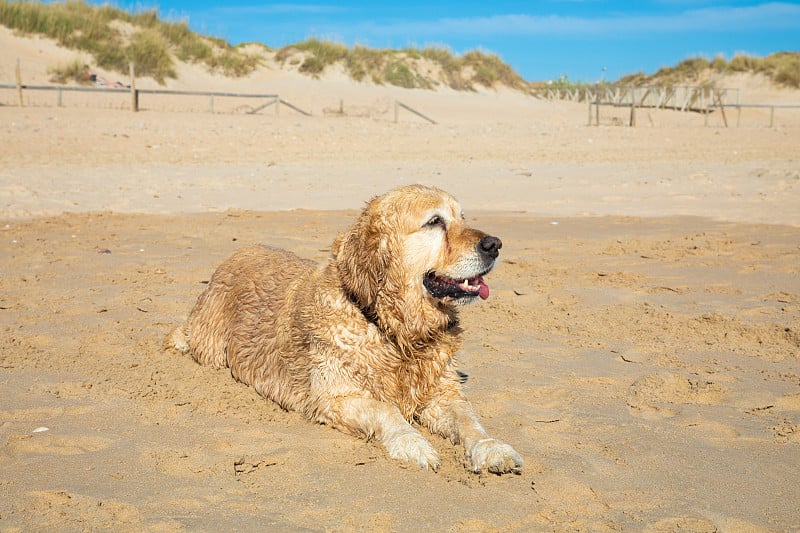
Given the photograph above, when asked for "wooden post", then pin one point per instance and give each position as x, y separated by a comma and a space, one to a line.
597, 113
134, 92
771, 116
341, 106
395, 111
589, 123
633, 107
277, 105
722, 110
703, 98
398, 103
211, 103
19, 84
738, 108
59, 101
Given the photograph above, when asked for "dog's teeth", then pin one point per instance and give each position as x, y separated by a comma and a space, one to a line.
465, 285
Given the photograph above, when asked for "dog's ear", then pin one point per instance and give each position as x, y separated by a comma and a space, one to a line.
362, 257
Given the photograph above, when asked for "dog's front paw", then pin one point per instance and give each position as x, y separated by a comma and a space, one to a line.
411, 447
494, 456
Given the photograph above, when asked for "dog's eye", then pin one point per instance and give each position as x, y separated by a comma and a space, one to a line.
435, 220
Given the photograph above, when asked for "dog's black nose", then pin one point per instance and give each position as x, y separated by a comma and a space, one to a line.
490, 246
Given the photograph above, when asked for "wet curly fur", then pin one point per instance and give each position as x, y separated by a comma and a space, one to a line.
365, 340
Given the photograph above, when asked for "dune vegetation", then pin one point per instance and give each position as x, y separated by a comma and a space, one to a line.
782, 68
424, 68
114, 38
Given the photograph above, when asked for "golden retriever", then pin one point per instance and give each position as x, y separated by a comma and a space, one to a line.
365, 340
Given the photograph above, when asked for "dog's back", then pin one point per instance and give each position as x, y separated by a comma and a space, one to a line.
233, 324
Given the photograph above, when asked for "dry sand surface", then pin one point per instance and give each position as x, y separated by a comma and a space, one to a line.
640, 348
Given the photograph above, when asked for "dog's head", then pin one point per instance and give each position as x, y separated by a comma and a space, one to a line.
410, 258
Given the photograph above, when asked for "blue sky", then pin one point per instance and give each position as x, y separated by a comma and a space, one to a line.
541, 40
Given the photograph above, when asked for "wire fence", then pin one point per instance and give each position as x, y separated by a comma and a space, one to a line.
112, 95
127, 98
702, 100
625, 100
133, 99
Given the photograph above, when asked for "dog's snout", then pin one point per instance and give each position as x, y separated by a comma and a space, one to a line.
490, 246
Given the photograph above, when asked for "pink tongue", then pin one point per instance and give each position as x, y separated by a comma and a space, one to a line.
483, 292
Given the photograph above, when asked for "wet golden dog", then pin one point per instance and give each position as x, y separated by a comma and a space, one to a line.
365, 340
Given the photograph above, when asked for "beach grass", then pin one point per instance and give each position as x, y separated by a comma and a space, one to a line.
782, 68
403, 68
114, 38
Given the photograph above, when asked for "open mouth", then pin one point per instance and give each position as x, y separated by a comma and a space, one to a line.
442, 287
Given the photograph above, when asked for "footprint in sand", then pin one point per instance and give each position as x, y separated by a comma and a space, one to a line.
52, 444
711, 430
656, 395
788, 402
683, 523
58, 510
786, 431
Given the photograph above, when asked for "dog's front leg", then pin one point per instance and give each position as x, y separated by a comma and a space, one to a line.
383, 422
452, 417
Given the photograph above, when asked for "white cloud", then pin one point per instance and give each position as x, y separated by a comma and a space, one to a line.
280, 9
761, 17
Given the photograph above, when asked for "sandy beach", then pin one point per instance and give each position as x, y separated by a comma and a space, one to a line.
640, 347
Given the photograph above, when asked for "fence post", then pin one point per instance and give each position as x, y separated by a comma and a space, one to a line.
633, 107
398, 103
59, 102
589, 123
722, 110
703, 98
738, 108
19, 84
597, 113
771, 116
211, 103
134, 92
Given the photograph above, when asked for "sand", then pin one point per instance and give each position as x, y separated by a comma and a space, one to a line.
640, 347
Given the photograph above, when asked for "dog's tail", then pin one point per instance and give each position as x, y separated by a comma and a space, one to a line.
177, 339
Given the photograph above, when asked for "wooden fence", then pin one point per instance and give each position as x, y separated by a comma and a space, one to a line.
771, 108
681, 98
706, 110
136, 95
703, 100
